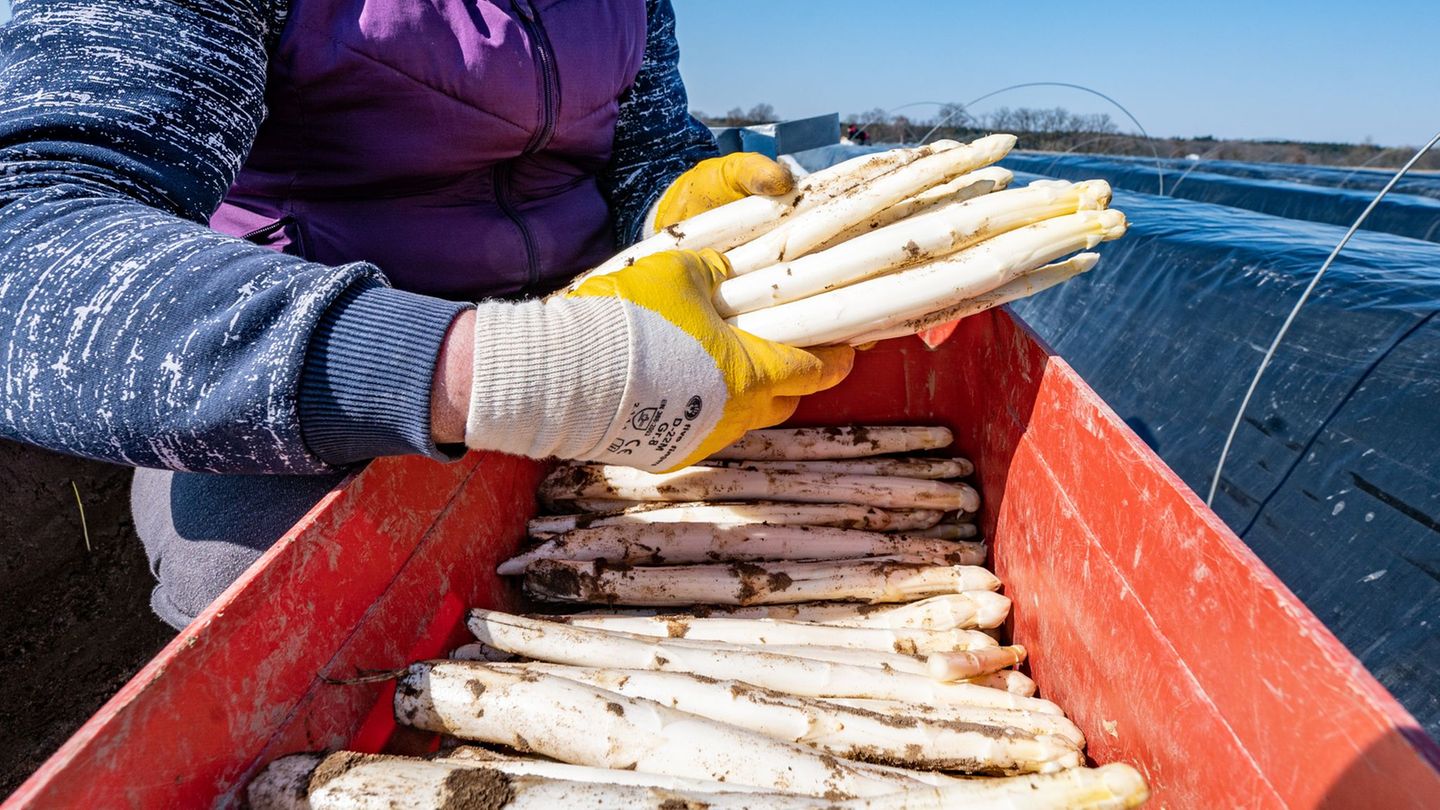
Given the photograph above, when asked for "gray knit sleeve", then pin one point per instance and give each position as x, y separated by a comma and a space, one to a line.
129, 331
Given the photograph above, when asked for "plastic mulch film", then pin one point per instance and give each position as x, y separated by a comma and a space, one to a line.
1424, 184
1401, 214
1334, 479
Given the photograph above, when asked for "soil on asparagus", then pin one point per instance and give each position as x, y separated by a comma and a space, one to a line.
75, 624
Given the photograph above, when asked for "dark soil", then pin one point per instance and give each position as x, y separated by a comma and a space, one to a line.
75, 624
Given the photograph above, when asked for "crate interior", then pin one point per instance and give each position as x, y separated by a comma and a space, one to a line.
1167, 641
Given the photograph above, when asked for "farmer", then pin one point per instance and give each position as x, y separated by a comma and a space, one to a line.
367, 169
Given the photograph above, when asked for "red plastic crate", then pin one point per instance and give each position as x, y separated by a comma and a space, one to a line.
1170, 644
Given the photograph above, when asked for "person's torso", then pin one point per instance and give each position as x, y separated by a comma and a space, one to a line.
454, 143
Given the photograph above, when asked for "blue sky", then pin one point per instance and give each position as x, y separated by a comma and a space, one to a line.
1318, 70
1322, 70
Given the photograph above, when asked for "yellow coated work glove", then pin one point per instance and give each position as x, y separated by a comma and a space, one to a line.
696, 383
717, 181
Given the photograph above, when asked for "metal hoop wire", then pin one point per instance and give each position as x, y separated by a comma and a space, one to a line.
867, 124
1159, 170
1289, 319
1192, 167
1087, 142
1357, 169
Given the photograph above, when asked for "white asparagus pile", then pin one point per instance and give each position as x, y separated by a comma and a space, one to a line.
771, 641
802, 620
892, 244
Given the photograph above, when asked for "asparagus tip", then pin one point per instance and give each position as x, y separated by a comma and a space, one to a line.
1124, 781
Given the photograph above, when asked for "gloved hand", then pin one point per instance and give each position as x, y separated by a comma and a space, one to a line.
717, 181
634, 368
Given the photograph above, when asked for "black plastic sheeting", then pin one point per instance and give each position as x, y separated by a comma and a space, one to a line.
1424, 184
1333, 479
1401, 214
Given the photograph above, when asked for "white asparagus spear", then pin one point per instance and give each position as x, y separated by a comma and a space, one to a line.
600, 505
965, 187
880, 303
947, 531
841, 515
349, 781
680, 543
844, 731
583, 725
584, 774
1116, 786
1012, 681
738, 222
967, 610
907, 520
903, 519
805, 444
744, 583
524, 766
873, 656
885, 661
583, 646
807, 230
897, 520
932, 468
1032, 722
770, 632
998, 177
909, 242
954, 665
690, 484
1023, 287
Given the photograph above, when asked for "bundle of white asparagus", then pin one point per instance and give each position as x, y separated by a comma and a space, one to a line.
894, 243
776, 633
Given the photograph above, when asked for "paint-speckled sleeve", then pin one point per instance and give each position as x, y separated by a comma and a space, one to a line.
131, 332
656, 138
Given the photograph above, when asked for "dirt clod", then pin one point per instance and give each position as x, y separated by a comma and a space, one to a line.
335, 766
477, 689
477, 789
549, 578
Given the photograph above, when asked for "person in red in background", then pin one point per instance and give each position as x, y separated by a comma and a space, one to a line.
856, 135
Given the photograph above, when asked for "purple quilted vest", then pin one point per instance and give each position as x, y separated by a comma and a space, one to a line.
454, 143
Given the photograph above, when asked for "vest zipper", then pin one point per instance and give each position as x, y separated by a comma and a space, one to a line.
549, 91
500, 176
545, 64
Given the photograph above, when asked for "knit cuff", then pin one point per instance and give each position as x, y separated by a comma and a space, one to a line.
550, 376
643, 225
369, 372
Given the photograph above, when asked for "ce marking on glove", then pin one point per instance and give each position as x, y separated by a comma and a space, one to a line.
623, 447
658, 433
